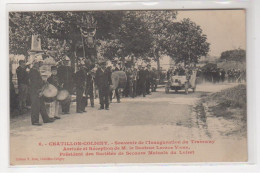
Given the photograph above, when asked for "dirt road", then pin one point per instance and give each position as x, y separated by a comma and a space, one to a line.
157, 117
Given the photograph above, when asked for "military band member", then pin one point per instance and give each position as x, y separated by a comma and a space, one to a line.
23, 82
103, 80
153, 80
66, 76
89, 92
142, 80
134, 82
37, 102
89, 71
148, 79
54, 105
80, 80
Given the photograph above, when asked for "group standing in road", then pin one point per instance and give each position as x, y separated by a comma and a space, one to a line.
87, 79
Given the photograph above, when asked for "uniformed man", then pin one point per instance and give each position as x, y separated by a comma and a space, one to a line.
54, 105
23, 82
148, 79
138, 82
66, 76
37, 102
153, 80
89, 91
80, 82
103, 81
142, 80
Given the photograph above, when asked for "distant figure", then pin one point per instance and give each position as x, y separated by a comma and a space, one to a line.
153, 78
113, 69
148, 79
142, 80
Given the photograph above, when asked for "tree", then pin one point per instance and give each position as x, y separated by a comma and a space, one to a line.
132, 39
186, 43
119, 34
158, 22
62, 26
238, 55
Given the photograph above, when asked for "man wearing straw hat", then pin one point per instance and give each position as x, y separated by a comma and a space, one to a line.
37, 102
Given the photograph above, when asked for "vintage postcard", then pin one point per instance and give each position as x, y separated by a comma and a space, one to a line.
149, 86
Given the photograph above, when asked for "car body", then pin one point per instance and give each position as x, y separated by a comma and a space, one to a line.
181, 82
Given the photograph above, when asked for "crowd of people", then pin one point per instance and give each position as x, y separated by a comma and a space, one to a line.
180, 70
215, 75
89, 77
221, 75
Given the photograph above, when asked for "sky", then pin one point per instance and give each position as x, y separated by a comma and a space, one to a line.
225, 29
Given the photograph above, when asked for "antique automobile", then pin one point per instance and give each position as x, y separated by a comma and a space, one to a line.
181, 82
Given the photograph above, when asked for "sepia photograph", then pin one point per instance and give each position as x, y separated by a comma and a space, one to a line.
127, 86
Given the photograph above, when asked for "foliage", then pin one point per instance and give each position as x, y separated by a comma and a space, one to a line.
238, 55
209, 67
56, 26
119, 34
186, 42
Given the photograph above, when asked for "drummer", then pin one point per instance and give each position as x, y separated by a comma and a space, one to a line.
37, 102
54, 105
66, 76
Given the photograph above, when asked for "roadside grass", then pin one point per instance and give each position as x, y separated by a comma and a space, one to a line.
229, 104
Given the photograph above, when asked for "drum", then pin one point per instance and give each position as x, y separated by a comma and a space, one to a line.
49, 92
119, 79
63, 95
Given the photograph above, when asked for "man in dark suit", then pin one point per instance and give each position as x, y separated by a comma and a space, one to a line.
37, 102
66, 76
148, 79
89, 91
103, 80
80, 81
23, 82
142, 75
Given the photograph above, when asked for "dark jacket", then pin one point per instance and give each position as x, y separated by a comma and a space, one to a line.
103, 78
54, 80
36, 82
80, 79
89, 80
22, 76
142, 75
66, 77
